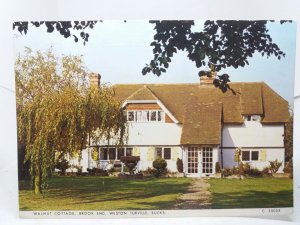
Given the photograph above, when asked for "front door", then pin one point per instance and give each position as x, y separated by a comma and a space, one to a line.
200, 161
194, 162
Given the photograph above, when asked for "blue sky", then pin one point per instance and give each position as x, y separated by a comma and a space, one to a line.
119, 51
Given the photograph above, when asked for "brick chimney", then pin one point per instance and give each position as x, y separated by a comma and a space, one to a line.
95, 80
207, 80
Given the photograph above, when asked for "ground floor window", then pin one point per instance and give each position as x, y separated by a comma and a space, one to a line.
250, 155
114, 153
164, 153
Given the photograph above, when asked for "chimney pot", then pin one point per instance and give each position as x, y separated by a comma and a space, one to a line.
206, 80
95, 79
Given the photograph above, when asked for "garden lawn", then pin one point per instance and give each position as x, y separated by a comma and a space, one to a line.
251, 193
103, 193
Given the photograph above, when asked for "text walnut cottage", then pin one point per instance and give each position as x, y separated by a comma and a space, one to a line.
198, 124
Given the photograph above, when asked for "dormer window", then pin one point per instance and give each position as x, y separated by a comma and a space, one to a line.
252, 118
145, 116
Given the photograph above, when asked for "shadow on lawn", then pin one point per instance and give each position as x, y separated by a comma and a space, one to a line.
252, 199
97, 191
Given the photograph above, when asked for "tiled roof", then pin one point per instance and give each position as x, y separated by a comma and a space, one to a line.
202, 124
179, 99
143, 93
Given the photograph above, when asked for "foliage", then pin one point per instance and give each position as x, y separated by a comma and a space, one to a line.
237, 155
288, 168
247, 168
179, 165
79, 169
227, 172
63, 27
218, 167
130, 162
242, 169
266, 171
288, 139
62, 165
97, 172
221, 43
160, 166
95, 154
274, 166
255, 172
148, 172
57, 111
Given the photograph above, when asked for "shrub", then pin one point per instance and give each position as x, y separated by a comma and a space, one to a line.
235, 170
255, 172
179, 165
218, 167
79, 170
241, 169
148, 172
288, 167
130, 162
274, 166
247, 168
62, 165
160, 166
266, 171
97, 172
227, 172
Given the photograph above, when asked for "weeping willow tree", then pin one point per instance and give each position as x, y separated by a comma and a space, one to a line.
58, 111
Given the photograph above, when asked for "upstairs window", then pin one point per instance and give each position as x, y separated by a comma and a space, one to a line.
252, 118
130, 116
145, 116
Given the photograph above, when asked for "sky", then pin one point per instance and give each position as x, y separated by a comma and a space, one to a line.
119, 50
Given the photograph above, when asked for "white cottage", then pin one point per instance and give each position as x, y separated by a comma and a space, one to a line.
198, 124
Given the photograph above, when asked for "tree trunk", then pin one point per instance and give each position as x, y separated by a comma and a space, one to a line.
38, 182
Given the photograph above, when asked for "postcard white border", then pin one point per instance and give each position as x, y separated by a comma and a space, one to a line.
120, 9
87, 214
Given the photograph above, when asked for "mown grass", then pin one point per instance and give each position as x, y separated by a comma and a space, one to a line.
110, 193
103, 193
251, 193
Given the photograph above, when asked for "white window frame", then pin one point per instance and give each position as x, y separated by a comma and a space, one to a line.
144, 115
253, 118
116, 153
250, 155
163, 152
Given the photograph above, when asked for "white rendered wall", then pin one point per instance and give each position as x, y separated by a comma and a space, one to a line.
253, 134
148, 133
271, 155
144, 163
154, 134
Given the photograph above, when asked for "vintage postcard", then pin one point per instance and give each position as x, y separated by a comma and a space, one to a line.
154, 118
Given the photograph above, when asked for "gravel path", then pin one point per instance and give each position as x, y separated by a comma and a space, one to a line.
197, 196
